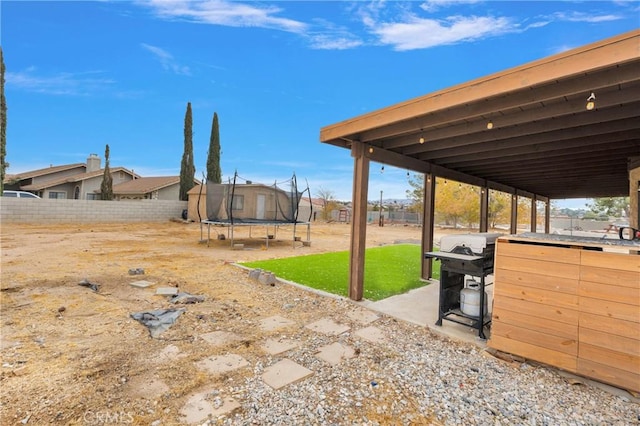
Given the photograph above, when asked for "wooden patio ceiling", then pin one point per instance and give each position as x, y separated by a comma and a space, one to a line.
544, 141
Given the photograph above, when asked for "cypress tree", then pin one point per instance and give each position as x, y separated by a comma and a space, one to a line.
3, 124
187, 168
106, 187
214, 173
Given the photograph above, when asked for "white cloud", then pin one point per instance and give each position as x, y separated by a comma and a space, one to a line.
586, 17
167, 60
420, 33
435, 5
63, 83
228, 13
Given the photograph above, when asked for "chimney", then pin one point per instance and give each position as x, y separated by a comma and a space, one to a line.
93, 163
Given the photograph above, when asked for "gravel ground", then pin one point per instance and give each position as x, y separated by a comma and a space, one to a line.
418, 377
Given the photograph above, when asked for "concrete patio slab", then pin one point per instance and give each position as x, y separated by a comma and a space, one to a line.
328, 326
222, 363
363, 317
274, 323
200, 406
420, 306
335, 353
278, 346
371, 334
284, 373
220, 338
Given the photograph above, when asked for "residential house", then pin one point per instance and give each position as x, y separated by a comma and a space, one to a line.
82, 181
149, 188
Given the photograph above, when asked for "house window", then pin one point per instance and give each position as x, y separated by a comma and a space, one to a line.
238, 202
92, 196
57, 195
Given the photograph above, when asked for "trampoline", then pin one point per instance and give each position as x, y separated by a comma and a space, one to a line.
243, 203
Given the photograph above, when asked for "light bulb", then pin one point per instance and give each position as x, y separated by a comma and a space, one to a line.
421, 139
490, 125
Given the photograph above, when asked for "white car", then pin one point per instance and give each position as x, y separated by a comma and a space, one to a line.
18, 194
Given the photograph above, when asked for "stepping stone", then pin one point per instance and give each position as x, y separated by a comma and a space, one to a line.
278, 346
146, 387
222, 363
167, 291
141, 284
335, 353
220, 338
328, 326
275, 322
204, 404
363, 317
372, 334
169, 353
284, 373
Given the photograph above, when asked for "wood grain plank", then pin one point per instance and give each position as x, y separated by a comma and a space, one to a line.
536, 295
614, 326
564, 315
613, 293
543, 325
599, 274
604, 356
609, 309
613, 342
530, 266
539, 252
561, 285
608, 374
615, 261
536, 353
535, 338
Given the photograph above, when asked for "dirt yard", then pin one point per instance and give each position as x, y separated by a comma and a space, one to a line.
70, 354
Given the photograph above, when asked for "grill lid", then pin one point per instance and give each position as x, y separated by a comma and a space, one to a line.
477, 242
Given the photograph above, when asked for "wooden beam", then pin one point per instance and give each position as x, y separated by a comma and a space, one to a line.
559, 98
358, 221
581, 125
484, 209
534, 214
514, 214
428, 208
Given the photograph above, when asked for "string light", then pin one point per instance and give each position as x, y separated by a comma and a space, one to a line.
490, 125
591, 101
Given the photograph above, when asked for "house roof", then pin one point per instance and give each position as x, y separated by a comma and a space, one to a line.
42, 172
71, 179
145, 185
544, 141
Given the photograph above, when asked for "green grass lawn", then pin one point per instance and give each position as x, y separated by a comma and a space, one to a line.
389, 270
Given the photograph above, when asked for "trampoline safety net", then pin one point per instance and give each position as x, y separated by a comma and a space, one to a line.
241, 201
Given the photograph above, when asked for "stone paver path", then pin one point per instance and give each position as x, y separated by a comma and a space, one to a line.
328, 326
284, 373
335, 353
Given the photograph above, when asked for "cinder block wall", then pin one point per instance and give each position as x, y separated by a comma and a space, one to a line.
15, 210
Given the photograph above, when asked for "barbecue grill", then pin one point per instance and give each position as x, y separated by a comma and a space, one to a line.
464, 255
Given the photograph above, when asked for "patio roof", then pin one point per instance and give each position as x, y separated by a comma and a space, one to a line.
544, 141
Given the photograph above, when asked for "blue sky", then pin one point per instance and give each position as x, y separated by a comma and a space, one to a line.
80, 75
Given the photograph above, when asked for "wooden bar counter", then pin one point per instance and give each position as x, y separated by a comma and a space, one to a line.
570, 302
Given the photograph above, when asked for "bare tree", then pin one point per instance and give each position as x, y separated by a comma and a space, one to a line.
328, 198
